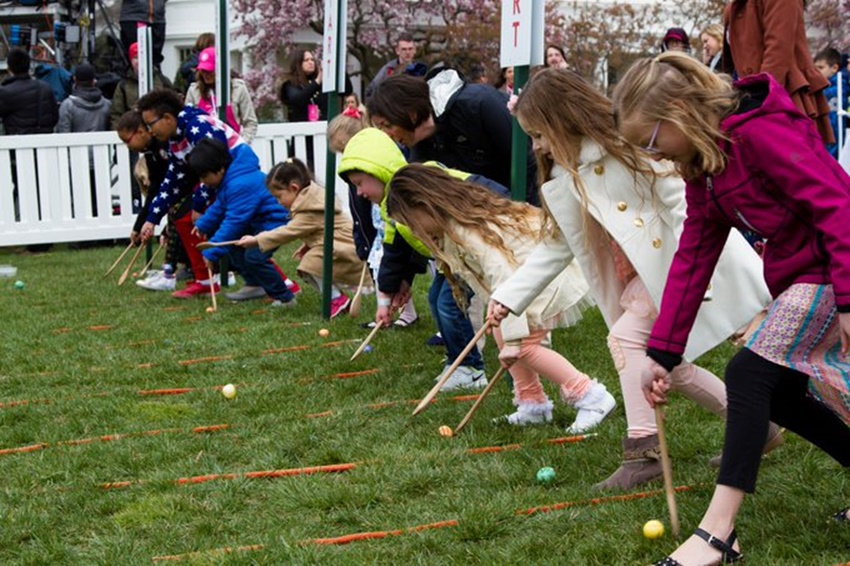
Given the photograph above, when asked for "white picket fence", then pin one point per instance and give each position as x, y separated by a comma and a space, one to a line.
58, 175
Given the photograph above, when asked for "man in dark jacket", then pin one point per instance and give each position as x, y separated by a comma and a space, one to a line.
27, 106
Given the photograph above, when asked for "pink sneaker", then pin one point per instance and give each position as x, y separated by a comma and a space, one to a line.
195, 290
339, 305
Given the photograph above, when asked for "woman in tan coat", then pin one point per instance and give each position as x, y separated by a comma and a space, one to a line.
291, 183
769, 36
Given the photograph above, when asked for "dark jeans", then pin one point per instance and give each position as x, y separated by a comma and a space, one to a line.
452, 322
760, 391
258, 270
129, 35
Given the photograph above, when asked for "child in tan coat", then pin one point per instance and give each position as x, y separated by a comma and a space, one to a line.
291, 183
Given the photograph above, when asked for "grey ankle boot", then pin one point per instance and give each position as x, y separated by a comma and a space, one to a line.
641, 464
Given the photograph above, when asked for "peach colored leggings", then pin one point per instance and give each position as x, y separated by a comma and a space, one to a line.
627, 342
536, 360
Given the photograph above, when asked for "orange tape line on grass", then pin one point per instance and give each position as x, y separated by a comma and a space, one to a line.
109, 438
507, 447
204, 360
329, 469
600, 500
346, 539
223, 550
172, 391
100, 327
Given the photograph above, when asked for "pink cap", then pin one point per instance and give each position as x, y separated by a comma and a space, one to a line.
206, 59
134, 51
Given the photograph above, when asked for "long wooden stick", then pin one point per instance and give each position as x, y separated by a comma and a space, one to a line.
212, 288
448, 373
153, 257
668, 472
130, 266
117, 261
365, 342
354, 309
207, 245
493, 380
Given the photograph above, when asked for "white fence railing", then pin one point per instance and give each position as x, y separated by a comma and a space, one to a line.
76, 187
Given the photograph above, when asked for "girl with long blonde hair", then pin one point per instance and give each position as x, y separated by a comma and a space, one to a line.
752, 162
619, 215
480, 238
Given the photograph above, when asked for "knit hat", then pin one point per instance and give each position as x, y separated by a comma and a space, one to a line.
206, 60
676, 34
84, 73
134, 51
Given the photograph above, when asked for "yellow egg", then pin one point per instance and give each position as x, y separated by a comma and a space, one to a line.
324, 332
653, 529
446, 431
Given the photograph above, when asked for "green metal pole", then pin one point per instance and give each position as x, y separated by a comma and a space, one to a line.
330, 196
519, 145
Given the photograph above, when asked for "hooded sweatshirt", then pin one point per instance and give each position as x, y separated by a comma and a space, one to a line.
780, 183
86, 110
243, 205
373, 152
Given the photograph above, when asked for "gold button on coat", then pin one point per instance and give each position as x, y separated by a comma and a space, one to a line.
639, 222
656, 243
599, 169
622, 206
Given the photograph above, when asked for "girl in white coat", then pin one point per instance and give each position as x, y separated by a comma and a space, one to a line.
480, 238
619, 215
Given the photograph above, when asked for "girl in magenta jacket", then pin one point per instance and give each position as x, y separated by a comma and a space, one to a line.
753, 162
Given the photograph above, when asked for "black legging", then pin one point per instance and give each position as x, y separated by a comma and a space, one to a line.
760, 391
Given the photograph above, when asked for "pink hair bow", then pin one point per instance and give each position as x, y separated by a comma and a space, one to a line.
351, 112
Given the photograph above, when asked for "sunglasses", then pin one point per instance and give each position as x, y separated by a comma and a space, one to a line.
649, 147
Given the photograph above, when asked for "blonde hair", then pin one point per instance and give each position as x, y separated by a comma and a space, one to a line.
418, 191
343, 127
715, 31
676, 88
566, 109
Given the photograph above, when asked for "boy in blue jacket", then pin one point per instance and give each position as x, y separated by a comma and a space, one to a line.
828, 62
242, 206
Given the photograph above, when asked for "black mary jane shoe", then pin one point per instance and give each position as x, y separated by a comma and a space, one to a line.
843, 516
728, 554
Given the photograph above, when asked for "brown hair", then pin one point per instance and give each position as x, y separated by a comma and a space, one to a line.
292, 170
402, 100
420, 190
676, 88
562, 106
296, 71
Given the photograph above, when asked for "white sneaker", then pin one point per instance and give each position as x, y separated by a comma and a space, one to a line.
160, 283
464, 377
154, 273
528, 414
592, 408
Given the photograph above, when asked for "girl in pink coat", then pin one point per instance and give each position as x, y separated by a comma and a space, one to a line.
752, 161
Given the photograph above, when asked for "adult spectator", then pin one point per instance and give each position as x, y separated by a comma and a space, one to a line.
124, 99
555, 57
676, 39
405, 50
770, 37
464, 126
127, 92
712, 48
478, 74
186, 73
86, 110
149, 12
27, 106
240, 114
505, 82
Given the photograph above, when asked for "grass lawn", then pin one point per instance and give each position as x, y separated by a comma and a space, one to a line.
79, 353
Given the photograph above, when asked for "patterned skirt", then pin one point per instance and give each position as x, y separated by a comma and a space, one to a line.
801, 332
